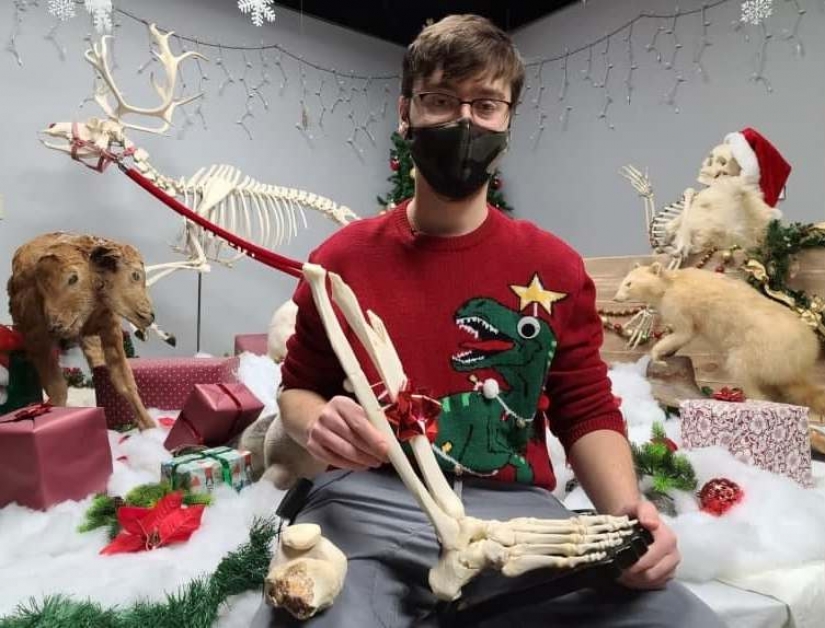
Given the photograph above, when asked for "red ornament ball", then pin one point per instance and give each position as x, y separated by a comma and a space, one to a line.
671, 445
496, 183
394, 164
719, 495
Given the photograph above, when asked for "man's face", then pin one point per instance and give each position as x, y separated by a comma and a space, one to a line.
437, 101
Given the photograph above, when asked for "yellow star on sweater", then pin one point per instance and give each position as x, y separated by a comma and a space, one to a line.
535, 293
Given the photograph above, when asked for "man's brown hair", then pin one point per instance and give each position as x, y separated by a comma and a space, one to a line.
462, 47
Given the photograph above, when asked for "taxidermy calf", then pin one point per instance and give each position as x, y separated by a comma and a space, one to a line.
76, 288
769, 350
730, 212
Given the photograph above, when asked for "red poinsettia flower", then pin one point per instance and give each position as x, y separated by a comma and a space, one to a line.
147, 528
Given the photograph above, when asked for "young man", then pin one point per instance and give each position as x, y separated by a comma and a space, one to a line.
496, 319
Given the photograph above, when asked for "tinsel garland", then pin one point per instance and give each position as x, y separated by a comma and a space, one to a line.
194, 606
768, 267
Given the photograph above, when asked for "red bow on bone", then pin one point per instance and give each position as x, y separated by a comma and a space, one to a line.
413, 413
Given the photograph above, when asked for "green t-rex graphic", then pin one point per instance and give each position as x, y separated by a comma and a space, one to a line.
481, 434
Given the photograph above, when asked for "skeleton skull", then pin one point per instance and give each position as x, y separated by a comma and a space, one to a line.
101, 133
720, 163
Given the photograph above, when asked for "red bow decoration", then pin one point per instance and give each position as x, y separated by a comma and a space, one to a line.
32, 411
412, 414
148, 528
729, 394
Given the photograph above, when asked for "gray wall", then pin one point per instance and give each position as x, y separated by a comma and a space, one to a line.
569, 181
44, 190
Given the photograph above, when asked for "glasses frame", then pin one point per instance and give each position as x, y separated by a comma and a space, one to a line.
461, 102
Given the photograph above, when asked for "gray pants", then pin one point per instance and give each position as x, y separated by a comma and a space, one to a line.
391, 546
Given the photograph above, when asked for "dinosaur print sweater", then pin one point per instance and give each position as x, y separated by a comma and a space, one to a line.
498, 325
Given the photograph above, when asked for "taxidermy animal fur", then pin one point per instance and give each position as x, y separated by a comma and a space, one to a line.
770, 351
276, 457
76, 288
730, 212
281, 327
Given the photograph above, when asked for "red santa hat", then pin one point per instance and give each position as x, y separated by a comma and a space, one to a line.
760, 162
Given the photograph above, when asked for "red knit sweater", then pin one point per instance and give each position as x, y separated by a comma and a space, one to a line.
499, 325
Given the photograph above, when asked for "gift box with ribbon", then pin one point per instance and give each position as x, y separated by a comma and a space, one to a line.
202, 471
214, 414
772, 436
49, 455
162, 383
19, 381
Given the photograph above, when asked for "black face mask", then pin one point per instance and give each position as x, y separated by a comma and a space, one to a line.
456, 158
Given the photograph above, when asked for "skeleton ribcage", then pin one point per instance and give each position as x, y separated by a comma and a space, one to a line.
266, 215
660, 240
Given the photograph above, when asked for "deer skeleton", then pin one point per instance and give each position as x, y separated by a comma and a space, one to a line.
265, 214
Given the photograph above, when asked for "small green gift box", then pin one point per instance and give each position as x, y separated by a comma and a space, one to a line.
202, 471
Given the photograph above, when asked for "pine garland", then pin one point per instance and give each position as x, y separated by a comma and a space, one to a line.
103, 511
403, 185
776, 253
657, 459
194, 606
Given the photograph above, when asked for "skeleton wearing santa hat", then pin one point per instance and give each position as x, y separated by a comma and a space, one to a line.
745, 176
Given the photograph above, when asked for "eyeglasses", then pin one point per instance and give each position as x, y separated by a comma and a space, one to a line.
441, 107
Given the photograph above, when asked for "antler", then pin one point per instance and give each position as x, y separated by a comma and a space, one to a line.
98, 57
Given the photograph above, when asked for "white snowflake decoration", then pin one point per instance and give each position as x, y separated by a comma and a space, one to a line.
62, 9
101, 12
756, 11
259, 9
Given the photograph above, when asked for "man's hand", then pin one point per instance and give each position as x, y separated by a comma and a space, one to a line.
343, 437
659, 563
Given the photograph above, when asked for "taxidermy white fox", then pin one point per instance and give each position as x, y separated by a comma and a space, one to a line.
730, 212
770, 351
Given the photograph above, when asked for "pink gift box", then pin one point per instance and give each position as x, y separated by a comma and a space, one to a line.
49, 455
256, 344
213, 414
771, 436
162, 383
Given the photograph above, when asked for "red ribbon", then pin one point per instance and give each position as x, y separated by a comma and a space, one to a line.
734, 395
250, 249
105, 158
238, 413
31, 411
413, 414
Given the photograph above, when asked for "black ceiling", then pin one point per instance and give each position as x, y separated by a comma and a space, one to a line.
399, 21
